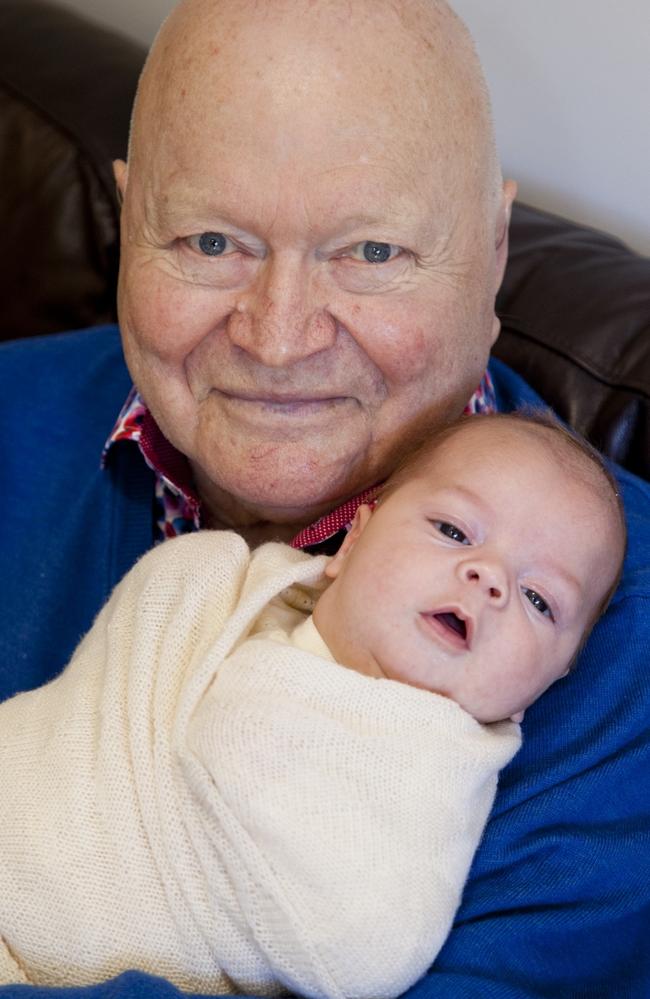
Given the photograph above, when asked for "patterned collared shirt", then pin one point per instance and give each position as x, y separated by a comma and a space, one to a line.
177, 504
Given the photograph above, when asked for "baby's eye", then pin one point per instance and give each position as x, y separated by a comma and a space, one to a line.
451, 531
375, 253
538, 602
211, 244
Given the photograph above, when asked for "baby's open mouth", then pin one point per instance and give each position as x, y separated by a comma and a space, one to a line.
455, 631
453, 623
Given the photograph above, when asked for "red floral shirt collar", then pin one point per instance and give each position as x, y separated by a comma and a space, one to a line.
178, 507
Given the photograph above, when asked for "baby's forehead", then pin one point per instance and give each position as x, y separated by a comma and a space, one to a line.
488, 448
480, 445
498, 442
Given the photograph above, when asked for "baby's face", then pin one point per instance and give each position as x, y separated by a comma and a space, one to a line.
477, 578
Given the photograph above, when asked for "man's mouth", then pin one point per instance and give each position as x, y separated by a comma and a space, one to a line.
286, 404
280, 398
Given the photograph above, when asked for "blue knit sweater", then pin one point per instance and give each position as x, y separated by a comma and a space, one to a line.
558, 901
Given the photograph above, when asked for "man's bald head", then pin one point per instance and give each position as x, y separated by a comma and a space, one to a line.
409, 64
314, 230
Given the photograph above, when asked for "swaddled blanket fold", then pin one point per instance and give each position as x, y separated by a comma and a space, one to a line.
228, 811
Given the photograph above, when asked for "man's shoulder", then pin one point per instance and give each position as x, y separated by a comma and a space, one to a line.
70, 529
61, 379
510, 388
68, 343
29, 359
636, 500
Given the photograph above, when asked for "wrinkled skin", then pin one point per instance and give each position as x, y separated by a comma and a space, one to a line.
305, 137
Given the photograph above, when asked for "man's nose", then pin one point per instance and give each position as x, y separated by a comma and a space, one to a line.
489, 577
281, 318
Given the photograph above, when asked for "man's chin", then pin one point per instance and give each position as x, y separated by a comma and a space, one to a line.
276, 487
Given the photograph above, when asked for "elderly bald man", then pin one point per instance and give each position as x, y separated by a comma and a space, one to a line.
308, 271
314, 230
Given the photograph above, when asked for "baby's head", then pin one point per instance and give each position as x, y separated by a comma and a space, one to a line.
489, 556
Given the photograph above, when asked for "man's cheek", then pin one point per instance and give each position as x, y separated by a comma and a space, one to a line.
396, 347
168, 319
408, 341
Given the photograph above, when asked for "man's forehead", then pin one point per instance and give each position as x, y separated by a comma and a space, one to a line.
233, 90
382, 62
242, 182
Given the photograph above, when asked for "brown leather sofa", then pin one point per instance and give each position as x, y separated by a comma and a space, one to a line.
575, 302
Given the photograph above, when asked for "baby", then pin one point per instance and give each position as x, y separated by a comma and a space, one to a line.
204, 793
502, 542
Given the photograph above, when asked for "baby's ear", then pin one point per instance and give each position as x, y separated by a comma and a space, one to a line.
517, 717
361, 518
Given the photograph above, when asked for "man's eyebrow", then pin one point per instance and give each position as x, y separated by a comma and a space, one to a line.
353, 221
402, 229
394, 225
191, 213
180, 208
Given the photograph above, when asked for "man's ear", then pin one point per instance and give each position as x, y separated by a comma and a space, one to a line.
361, 518
120, 173
508, 195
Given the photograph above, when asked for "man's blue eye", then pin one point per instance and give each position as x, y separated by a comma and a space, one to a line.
376, 253
212, 243
538, 602
452, 532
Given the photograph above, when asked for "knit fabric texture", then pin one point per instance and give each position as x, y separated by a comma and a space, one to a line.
194, 800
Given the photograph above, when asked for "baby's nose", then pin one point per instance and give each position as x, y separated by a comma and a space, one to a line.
489, 577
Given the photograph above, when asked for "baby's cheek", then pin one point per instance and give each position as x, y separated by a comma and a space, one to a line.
528, 675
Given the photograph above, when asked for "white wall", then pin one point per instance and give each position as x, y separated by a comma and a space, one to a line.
570, 82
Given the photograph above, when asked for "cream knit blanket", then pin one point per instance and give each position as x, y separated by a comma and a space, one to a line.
232, 813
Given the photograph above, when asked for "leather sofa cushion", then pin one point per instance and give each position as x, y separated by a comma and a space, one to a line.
575, 307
